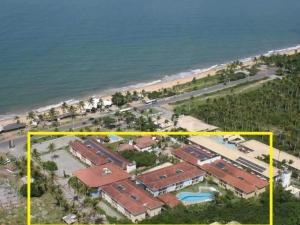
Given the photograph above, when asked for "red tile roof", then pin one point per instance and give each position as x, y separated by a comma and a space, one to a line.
125, 147
144, 142
134, 199
169, 200
104, 151
170, 175
192, 154
234, 176
88, 153
97, 176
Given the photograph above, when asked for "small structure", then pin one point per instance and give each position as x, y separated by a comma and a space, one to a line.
145, 143
285, 177
170, 178
11, 168
125, 147
98, 176
132, 201
170, 200
192, 124
70, 219
106, 103
294, 190
12, 127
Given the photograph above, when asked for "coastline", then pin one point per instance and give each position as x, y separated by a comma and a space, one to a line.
164, 82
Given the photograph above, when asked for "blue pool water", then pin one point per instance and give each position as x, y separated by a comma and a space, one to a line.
192, 197
114, 138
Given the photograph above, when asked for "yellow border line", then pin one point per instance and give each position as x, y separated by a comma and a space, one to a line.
159, 133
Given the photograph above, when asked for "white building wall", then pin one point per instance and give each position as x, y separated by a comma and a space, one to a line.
208, 161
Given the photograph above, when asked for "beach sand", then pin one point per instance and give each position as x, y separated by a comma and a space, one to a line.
155, 86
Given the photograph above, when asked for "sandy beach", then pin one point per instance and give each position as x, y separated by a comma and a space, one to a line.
153, 86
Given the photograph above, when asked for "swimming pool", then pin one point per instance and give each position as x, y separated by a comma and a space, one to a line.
114, 138
195, 197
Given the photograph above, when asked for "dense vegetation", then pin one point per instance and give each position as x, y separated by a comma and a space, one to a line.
227, 208
50, 166
275, 106
141, 158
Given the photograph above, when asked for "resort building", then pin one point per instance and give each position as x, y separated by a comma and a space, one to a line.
195, 155
240, 182
234, 155
170, 178
133, 202
86, 154
99, 176
256, 149
108, 153
145, 143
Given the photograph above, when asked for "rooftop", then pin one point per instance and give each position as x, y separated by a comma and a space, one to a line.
193, 153
192, 124
103, 151
258, 149
88, 153
144, 142
234, 155
169, 200
134, 199
98, 176
170, 175
125, 147
13, 126
234, 176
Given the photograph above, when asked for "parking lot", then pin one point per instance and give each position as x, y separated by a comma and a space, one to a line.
58, 143
65, 162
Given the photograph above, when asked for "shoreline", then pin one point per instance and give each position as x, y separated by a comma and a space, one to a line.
167, 81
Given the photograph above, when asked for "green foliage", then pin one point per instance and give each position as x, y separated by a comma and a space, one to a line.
119, 99
36, 190
108, 121
275, 106
50, 165
78, 186
144, 124
141, 158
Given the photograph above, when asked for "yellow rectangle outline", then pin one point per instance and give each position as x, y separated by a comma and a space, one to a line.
158, 133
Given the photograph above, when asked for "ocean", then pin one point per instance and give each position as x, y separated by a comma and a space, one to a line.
56, 50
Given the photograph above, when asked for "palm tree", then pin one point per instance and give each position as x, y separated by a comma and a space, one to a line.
64, 107
81, 105
73, 111
51, 147
52, 114
31, 115
17, 119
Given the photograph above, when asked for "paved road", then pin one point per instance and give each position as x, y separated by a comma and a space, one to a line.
260, 75
20, 141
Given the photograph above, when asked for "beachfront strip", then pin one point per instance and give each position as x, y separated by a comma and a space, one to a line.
140, 195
